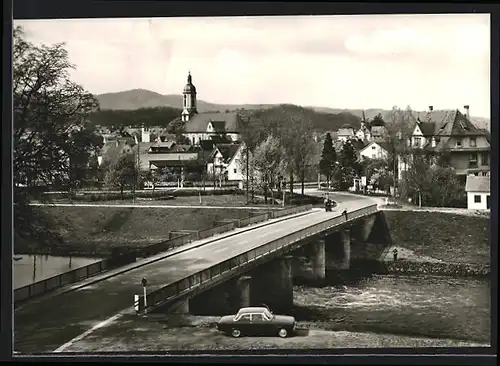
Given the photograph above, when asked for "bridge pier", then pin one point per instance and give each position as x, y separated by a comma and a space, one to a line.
273, 285
367, 227
218, 300
244, 287
318, 260
339, 250
346, 242
180, 307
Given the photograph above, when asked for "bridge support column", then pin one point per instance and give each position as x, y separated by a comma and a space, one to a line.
367, 227
273, 285
318, 260
219, 300
244, 284
179, 307
346, 242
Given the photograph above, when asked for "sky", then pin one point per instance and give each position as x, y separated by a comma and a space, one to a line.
354, 62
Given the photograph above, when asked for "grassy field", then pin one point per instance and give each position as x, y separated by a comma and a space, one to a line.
94, 229
446, 236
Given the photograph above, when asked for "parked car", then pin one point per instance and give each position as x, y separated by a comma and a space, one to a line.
257, 321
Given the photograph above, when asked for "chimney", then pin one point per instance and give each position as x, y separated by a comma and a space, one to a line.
431, 108
466, 107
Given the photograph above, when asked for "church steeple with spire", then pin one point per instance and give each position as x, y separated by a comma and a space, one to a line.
188, 100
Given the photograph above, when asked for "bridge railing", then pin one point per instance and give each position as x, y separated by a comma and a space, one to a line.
75, 275
177, 288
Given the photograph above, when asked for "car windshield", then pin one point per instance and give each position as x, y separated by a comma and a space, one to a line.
267, 314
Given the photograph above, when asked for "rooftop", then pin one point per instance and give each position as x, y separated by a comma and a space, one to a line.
477, 184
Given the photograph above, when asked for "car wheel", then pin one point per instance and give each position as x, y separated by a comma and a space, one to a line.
235, 333
283, 333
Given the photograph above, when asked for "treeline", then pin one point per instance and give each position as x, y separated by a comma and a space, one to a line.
149, 117
320, 122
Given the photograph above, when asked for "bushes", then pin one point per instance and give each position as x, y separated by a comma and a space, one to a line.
83, 196
442, 268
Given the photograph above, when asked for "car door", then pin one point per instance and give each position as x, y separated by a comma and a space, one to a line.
259, 325
243, 324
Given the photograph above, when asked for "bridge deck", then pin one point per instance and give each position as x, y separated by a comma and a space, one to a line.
46, 324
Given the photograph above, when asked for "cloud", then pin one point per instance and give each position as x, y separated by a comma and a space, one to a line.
337, 61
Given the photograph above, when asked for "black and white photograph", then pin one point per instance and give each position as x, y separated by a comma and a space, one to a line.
251, 183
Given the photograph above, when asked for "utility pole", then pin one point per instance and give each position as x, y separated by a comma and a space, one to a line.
136, 158
247, 164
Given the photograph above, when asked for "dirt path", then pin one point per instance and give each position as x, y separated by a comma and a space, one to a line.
132, 333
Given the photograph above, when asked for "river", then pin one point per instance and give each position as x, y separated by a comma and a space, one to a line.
27, 269
417, 305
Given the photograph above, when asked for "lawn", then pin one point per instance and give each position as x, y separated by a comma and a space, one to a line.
446, 236
209, 200
96, 229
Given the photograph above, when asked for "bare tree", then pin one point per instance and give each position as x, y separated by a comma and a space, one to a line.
269, 161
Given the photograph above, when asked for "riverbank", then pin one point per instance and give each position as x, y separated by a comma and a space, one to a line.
442, 236
95, 231
376, 311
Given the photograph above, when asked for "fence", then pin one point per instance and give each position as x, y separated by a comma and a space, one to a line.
180, 238
218, 270
52, 283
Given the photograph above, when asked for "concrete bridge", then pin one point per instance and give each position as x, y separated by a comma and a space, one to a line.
253, 265
263, 271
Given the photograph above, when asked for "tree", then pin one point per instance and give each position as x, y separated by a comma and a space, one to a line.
349, 166
295, 130
52, 137
269, 161
328, 158
122, 173
378, 120
397, 131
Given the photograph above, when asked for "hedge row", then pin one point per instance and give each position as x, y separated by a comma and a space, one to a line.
159, 195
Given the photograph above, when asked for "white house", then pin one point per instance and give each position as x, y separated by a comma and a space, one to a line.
225, 160
373, 150
344, 134
478, 192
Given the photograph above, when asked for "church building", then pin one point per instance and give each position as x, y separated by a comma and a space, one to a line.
207, 126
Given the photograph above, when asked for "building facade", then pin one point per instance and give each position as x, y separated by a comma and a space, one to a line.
478, 192
466, 146
373, 150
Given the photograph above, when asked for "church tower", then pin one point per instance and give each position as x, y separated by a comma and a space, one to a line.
188, 100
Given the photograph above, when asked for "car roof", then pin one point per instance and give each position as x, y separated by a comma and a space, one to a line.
254, 309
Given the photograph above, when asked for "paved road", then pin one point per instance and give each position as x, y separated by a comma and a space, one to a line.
44, 325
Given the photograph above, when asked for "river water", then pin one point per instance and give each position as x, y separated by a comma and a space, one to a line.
418, 305
27, 269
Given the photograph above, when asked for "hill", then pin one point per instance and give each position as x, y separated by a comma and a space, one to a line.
141, 98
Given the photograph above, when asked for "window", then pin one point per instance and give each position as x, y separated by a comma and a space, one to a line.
459, 142
485, 158
234, 171
257, 317
416, 141
473, 160
244, 317
477, 198
373, 147
472, 142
